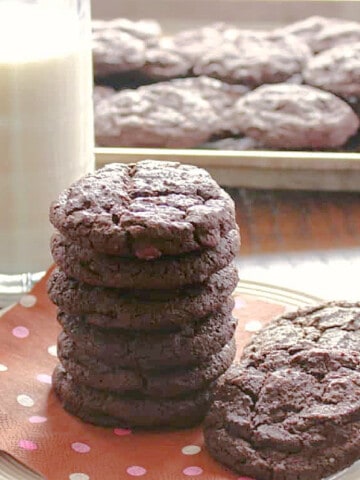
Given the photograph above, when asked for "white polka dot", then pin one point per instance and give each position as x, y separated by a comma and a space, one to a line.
79, 476
28, 301
52, 350
253, 326
25, 400
3, 368
44, 378
191, 449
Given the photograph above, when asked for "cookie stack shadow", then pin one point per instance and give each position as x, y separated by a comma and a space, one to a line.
145, 307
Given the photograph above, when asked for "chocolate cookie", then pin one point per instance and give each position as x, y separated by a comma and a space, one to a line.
308, 29
101, 92
328, 325
295, 116
158, 115
120, 45
115, 51
336, 70
194, 344
159, 383
142, 309
335, 34
175, 56
147, 30
146, 210
288, 414
164, 273
111, 409
254, 59
221, 97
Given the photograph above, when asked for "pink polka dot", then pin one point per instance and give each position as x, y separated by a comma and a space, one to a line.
121, 432
20, 332
136, 471
239, 303
192, 471
80, 447
27, 445
37, 419
44, 378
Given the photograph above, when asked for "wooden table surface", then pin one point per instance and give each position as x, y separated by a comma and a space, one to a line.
303, 240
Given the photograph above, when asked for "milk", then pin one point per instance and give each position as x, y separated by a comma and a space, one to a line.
46, 125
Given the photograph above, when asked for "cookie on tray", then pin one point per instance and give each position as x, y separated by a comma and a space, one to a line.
287, 414
120, 45
169, 382
142, 309
167, 272
147, 209
295, 116
194, 344
254, 58
110, 409
309, 28
336, 70
158, 115
336, 34
174, 56
327, 325
221, 96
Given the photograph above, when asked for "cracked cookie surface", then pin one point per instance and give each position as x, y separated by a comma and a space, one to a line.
146, 210
328, 325
295, 116
288, 413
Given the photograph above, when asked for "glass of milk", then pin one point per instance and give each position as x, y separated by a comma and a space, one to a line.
46, 126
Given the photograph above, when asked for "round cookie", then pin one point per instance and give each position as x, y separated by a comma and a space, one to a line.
194, 344
295, 116
158, 115
221, 97
287, 414
164, 273
120, 45
147, 30
147, 209
254, 58
308, 29
116, 51
336, 70
142, 309
110, 409
158, 384
328, 325
175, 56
335, 34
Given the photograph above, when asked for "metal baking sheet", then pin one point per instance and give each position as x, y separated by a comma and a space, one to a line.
332, 171
256, 169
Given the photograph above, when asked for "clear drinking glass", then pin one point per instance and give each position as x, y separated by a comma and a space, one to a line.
46, 126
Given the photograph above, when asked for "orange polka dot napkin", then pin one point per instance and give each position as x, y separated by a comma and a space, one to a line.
37, 431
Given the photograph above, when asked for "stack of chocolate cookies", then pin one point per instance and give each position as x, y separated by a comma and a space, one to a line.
143, 286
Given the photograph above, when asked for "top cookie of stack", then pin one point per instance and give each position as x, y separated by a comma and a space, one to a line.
145, 210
